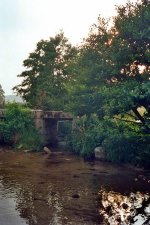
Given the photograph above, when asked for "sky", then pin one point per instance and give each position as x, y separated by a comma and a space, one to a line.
25, 22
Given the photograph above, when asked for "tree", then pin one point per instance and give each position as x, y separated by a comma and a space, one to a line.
113, 81
114, 65
46, 75
2, 97
129, 56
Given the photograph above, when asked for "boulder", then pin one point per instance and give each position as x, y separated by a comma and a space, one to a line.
27, 150
47, 150
100, 153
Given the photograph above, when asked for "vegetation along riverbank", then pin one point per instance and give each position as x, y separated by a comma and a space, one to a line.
104, 83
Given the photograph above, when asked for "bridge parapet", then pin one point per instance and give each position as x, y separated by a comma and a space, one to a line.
40, 114
57, 115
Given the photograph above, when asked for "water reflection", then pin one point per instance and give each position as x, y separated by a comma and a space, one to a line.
45, 194
58, 191
119, 209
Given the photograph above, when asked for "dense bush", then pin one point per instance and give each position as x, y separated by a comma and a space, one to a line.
142, 144
18, 128
128, 149
122, 143
82, 139
88, 132
119, 148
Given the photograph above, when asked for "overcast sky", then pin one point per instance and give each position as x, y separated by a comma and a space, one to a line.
25, 22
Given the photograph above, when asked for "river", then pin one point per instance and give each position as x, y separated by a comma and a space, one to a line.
37, 189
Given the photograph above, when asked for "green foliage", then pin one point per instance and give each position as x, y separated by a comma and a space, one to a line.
142, 144
82, 140
112, 81
130, 148
18, 127
46, 74
30, 140
122, 143
105, 83
112, 68
88, 132
119, 148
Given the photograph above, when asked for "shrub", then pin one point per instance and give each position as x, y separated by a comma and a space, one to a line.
128, 149
123, 143
118, 148
30, 140
18, 127
142, 156
86, 135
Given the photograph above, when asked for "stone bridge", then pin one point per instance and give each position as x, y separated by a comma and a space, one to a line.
47, 122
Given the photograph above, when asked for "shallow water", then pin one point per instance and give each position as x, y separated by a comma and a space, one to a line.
65, 190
